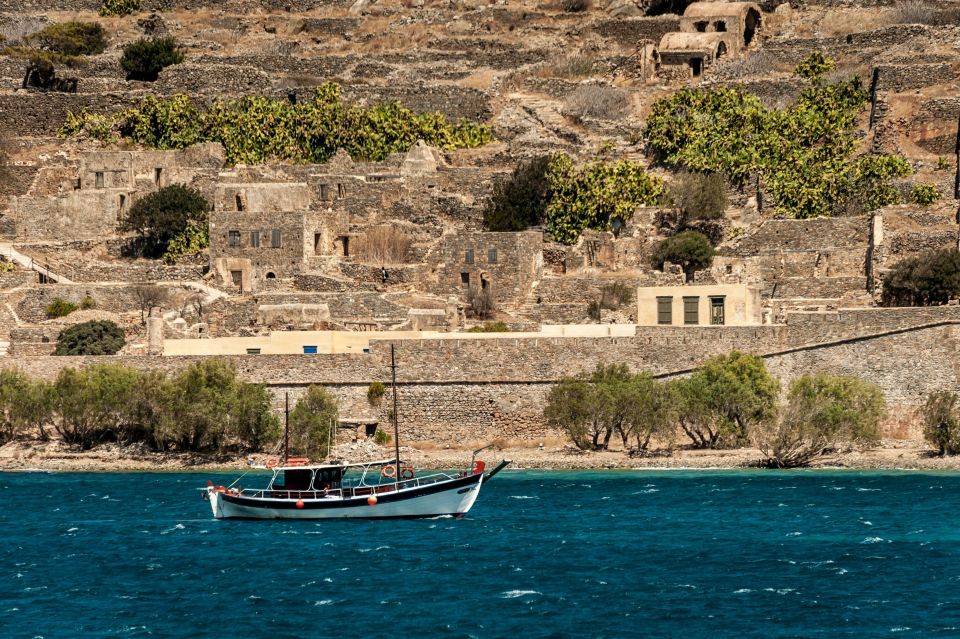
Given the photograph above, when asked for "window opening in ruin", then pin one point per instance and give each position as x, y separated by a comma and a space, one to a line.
76, 184
468, 256
271, 275
665, 310
98, 179
341, 192
275, 238
233, 239
492, 256
465, 280
324, 191
717, 314
344, 243
239, 202
691, 310
370, 429
317, 238
750, 26
696, 65
255, 239
700, 26
484, 283
720, 26
729, 269
237, 277
123, 207
157, 172
253, 351
721, 50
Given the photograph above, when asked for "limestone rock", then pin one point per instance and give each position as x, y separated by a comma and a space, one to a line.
422, 159
360, 7
153, 26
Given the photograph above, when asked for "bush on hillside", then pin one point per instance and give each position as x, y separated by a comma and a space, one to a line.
25, 406
162, 215
70, 38
96, 337
824, 413
375, 393
520, 199
119, 7
928, 279
147, 57
924, 194
257, 129
490, 327
481, 302
941, 422
691, 250
699, 196
805, 154
597, 101
60, 307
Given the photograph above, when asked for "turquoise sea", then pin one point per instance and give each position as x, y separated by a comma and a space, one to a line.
542, 554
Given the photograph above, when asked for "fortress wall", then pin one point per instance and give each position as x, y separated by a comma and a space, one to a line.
460, 390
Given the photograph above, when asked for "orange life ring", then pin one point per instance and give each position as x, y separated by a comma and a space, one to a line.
389, 471
407, 473
272, 462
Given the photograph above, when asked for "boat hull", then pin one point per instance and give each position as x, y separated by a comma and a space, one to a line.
453, 497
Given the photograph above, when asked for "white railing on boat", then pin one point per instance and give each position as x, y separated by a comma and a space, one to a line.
347, 492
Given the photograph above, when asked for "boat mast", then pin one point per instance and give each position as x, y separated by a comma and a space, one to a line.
286, 429
396, 429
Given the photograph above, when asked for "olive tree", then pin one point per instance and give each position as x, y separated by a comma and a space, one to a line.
824, 413
312, 420
941, 422
25, 406
593, 407
721, 400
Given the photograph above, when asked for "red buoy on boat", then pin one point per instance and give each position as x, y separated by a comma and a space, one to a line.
372, 500
299, 503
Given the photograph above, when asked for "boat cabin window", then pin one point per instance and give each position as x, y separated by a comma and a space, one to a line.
327, 478
298, 479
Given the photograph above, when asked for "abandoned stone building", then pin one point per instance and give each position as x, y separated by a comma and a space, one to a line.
708, 32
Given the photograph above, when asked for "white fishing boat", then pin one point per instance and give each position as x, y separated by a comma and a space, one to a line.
370, 490
383, 489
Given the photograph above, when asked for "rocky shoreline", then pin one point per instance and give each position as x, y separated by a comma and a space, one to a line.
56, 456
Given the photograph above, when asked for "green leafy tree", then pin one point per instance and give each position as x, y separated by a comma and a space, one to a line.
257, 129
94, 404
824, 413
941, 422
311, 421
199, 407
927, 279
593, 407
595, 195
163, 216
70, 38
96, 337
717, 405
804, 154
147, 57
192, 240
519, 200
699, 196
689, 249
26, 406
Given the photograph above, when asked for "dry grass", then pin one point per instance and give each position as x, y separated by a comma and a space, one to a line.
597, 101
382, 245
572, 67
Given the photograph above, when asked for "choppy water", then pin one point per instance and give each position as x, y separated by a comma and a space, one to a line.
697, 554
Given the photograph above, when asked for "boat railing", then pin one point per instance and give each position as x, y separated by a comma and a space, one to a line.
347, 492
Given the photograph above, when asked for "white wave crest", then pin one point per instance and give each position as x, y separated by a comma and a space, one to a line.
513, 594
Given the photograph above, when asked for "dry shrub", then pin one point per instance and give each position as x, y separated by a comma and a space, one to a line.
575, 6
597, 101
571, 67
918, 12
480, 301
382, 245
